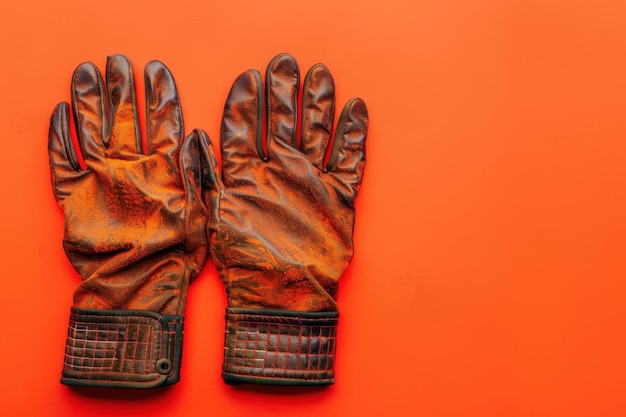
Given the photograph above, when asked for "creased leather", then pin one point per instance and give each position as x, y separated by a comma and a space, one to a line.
281, 229
279, 346
134, 219
283, 234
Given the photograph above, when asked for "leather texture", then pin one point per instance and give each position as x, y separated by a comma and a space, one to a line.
134, 218
280, 347
127, 349
281, 229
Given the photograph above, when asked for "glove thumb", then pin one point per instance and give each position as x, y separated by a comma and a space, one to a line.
201, 178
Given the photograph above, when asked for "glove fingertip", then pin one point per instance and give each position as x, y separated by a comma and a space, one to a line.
349, 142
199, 164
64, 161
59, 127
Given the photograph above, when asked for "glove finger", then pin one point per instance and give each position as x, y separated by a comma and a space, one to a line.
200, 176
125, 136
242, 127
318, 109
64, 166
347, 157
199, 166
282, 81
165, 128
89, 107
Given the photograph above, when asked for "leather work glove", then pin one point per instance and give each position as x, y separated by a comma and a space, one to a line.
135, 225
281, 231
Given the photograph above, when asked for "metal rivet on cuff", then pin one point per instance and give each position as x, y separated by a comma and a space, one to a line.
164, 366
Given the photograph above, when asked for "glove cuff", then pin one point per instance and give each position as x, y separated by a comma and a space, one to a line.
122, 348
279, 347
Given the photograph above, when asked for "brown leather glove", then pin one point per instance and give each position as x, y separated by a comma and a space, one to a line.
134, 225
281, 232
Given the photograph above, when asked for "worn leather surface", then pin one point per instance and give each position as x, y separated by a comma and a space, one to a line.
281, 229
118, 348
281, 232
279, 347
132, 230
134, 218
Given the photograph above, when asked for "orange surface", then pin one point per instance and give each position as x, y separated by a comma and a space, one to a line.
490, 266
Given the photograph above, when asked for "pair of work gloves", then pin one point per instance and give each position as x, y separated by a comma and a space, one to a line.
141, 217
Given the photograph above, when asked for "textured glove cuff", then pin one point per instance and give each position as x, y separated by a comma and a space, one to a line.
122, 348
279, 347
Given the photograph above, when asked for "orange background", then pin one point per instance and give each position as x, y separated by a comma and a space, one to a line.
489, 275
